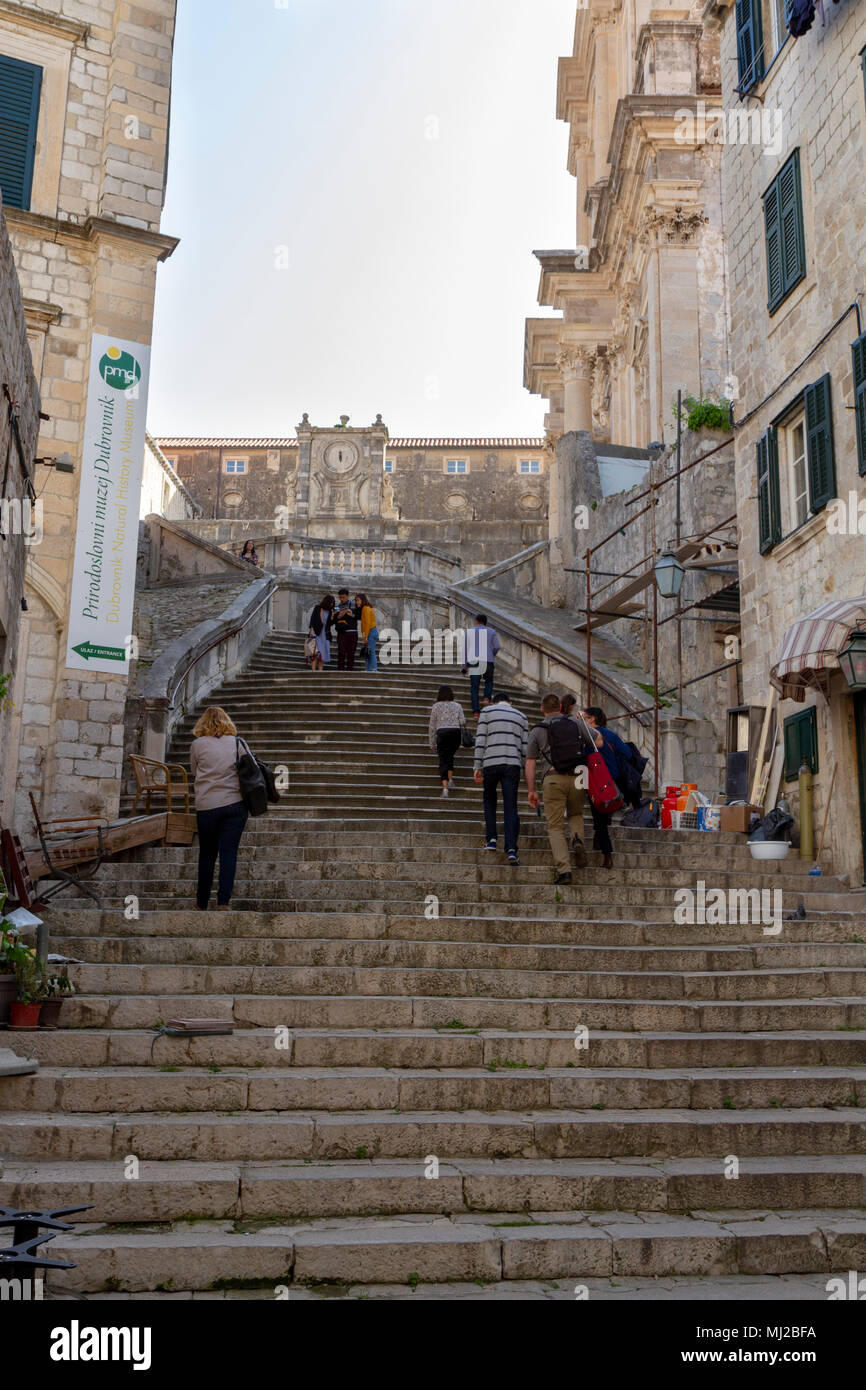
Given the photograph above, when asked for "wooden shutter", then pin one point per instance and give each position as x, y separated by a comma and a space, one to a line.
20, 85
750, 44
769, 508
773, 234
783, 230
819, 443
791, 218
858, 354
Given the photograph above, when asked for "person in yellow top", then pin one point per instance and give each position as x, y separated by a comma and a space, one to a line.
369, 630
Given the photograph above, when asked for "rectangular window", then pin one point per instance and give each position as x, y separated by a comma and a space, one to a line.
530, 465
793, 441
750, 44
801, 743
236, 465
389, 465
784, 234
20, 86
796, 464
456, 466
779, 23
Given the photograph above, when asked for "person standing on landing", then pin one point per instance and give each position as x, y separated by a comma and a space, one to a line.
447, 722
220, 811
500, 751
346, 626
321, 627
557, 748
482, 646
369, 630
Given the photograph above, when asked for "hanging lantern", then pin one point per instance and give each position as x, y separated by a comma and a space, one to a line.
852, 660
669, 575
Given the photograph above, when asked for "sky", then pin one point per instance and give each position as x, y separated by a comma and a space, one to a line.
358, 186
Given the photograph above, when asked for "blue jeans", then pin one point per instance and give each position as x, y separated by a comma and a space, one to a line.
219, 835
475, 687
372, 656
510, 779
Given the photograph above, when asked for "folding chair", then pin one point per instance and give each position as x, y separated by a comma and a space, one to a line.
58, 839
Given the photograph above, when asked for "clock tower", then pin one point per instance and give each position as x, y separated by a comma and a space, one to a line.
340, 493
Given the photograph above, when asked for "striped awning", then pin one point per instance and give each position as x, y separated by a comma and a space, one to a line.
811, 646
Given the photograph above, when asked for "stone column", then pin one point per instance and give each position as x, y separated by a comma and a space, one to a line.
305, 457
576, 365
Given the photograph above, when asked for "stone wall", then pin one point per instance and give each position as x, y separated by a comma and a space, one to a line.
817, 84
19, 516
86, 250
486, 515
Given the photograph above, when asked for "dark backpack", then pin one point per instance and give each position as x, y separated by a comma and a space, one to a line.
566, 744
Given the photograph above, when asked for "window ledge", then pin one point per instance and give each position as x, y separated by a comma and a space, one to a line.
802, 536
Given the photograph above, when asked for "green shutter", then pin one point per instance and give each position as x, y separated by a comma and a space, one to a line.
858, 354
769, 508
750, 44
783, 229
819, 443
773, 234
20, 85
801, 743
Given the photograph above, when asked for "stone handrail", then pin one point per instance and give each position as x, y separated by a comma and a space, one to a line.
280, 552
199, 661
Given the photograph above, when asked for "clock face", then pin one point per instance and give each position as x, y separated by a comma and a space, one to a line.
341, 457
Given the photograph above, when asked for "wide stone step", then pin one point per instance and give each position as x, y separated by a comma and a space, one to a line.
88, 922
498, 1087
250, 1192
503, 983
378, 952
439, 1249
446, 1047
400, 1011
206, 1136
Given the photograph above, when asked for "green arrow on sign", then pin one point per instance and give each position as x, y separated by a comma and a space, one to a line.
88, 651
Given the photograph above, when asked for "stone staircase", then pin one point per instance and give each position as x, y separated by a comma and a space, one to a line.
406, 1105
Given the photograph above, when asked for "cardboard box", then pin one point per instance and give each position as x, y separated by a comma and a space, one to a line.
737, 818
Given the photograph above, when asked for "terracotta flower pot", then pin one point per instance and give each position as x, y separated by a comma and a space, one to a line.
8, 991
50, 1012
24, 1015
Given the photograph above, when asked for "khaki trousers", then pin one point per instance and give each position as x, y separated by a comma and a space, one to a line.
562, 801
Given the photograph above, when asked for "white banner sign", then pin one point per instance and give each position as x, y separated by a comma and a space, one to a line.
106, 540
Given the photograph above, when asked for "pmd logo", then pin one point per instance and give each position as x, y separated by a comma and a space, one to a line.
120, 369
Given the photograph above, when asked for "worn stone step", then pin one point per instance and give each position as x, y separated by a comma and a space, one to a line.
303, 1190
453, 954
439, 1248
347, 1010
207, 1136
445, 1047
504, 983
87, 922
498, 1087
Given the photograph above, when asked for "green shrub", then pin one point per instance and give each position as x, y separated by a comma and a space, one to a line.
707, 413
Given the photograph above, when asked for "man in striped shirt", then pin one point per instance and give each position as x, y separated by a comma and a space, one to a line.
500, 752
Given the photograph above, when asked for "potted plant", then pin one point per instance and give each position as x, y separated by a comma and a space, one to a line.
24, 1012
55, 988
10, 951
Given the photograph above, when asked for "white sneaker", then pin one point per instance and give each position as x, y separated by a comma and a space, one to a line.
445, 792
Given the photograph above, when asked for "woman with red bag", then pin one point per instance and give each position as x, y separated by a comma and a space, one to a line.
596, 720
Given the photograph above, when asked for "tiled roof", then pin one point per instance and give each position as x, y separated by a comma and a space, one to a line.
227, 443
483, 443
536, 444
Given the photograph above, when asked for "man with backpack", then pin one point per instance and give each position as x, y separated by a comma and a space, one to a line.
557, 748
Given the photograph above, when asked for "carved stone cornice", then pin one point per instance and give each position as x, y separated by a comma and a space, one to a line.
672, 226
